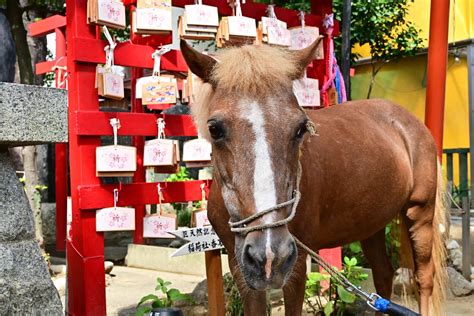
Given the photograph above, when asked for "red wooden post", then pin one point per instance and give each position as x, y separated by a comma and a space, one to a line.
437, 62
61, 195
61, 154
85, 250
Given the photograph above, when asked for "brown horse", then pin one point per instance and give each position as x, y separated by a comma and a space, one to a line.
371, 161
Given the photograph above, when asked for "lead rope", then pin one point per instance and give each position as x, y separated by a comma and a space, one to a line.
373, 300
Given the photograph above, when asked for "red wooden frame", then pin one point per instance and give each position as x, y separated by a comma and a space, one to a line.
85, 248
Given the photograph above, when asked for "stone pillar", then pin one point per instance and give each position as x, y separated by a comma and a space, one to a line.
25, 283
28, 115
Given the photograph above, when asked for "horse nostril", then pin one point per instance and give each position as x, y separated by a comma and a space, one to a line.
251, 256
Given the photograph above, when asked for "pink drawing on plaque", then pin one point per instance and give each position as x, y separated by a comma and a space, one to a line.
158, 152
112, 11
157, 226
113, 84
116, 158
115, 218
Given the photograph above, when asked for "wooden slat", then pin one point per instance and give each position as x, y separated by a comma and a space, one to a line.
47, 66
126, 54
46, 26
100, 196
92, 123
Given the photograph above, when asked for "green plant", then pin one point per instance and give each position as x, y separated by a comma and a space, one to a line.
392, 244
183, 211
324, 295
234, 304
167, 298
181, 175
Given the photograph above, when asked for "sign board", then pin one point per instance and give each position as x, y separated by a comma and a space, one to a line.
199, 239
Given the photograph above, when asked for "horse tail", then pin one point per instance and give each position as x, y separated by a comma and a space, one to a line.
440, 225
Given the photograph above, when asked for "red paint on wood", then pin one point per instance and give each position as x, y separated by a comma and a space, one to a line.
47, 66
126, 54
132, 124
100, 196
333, 256
437, 63
46, 26
86, 283
61, 195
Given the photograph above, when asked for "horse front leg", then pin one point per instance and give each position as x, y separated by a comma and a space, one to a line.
293, 291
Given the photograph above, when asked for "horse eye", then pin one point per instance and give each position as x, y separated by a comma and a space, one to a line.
301, 130
216, 129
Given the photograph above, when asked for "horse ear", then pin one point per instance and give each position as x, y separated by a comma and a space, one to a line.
303, 57
201, 65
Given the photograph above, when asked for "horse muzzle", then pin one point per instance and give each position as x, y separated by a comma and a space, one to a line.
267, 258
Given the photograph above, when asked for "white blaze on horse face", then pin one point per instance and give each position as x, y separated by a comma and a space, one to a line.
264, 191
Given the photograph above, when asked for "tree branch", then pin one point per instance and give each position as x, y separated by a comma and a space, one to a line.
15, 18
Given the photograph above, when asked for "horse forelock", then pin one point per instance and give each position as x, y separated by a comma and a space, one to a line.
250, 71
254, 70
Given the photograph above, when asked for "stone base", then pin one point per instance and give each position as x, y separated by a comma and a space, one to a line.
25, 284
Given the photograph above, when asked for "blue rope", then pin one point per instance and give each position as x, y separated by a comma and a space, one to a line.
381, 304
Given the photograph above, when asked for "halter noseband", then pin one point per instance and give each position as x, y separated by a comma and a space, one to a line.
240, 226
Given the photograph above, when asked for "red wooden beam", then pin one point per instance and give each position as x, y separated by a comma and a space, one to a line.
93, 123
46, 26
93, 197
126, 54
47, 66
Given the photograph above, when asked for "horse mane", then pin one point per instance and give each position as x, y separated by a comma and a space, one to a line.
249, 70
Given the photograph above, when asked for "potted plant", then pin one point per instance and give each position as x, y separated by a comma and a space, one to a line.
162, 305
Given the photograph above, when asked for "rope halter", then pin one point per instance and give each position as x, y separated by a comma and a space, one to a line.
241, 226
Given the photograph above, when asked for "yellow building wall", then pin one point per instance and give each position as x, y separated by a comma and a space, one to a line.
404, 83
461, 19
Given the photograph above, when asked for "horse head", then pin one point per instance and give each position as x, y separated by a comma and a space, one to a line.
248, 111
